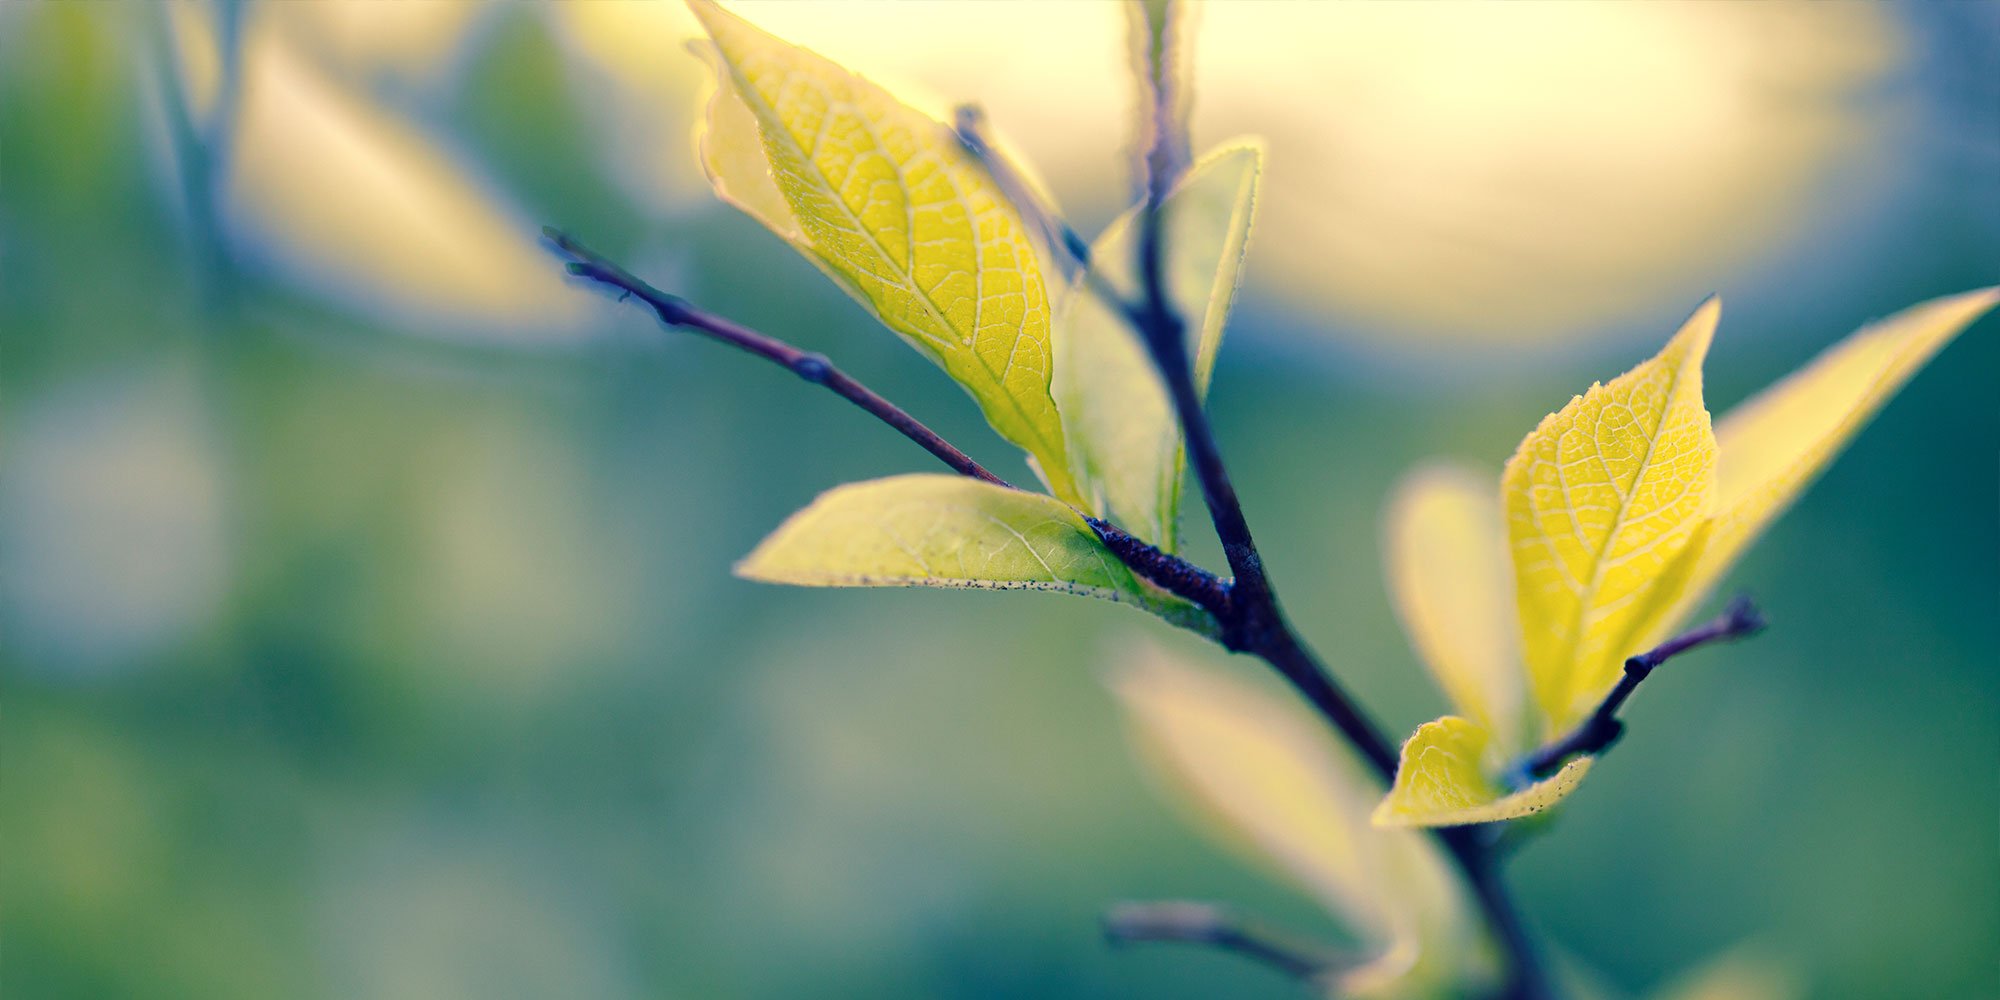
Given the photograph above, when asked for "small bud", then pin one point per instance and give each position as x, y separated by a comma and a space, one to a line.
814, 368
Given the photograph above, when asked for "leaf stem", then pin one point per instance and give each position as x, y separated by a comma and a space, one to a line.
1596, 734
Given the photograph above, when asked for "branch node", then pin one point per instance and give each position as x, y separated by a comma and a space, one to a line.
1596, 734
814, 368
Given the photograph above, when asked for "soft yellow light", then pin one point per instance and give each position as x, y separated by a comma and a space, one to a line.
344, 198
1460, 171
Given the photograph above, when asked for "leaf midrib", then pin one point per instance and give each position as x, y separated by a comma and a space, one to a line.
1574, 641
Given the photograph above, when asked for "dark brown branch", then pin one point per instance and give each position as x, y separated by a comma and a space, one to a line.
1596, 734
1203, 924
1255, 624
1172, 573
815, 368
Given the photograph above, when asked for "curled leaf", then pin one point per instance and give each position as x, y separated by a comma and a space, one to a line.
1441, 780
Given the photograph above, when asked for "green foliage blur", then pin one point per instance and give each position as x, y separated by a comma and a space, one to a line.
342, 660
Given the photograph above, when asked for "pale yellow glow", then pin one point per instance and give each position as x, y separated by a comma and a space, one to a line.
1494, 173
641, 85
414, 39
1471, 172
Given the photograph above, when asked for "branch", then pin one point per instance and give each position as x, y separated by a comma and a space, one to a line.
815, 368
1255, 623
1203, 924
1739, 620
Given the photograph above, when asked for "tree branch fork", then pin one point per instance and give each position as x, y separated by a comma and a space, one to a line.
1244, 605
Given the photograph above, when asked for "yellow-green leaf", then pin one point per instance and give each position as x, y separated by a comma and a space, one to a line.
1269, 780
1441, 780
1600, 500
951, 531
1124, 440
884, 199
1447, 568
1771, 447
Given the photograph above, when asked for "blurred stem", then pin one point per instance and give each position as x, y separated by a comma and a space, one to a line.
1254, 622
1215, 927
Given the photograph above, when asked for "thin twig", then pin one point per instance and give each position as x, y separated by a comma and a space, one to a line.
1596, 734
1203, 924
815, 368
1171, 572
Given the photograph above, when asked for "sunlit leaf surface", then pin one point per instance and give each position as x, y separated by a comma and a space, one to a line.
885, 200
951, 531
1773, 446
1599, 500
1624, 510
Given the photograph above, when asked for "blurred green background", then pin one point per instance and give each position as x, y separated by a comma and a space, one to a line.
366, 625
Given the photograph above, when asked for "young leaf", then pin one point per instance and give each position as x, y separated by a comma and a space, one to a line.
1623, 511
1447, 567
884, 200
1124, 440
1600, 499
951, 531
1270, 781
1773, 446
1441, 780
